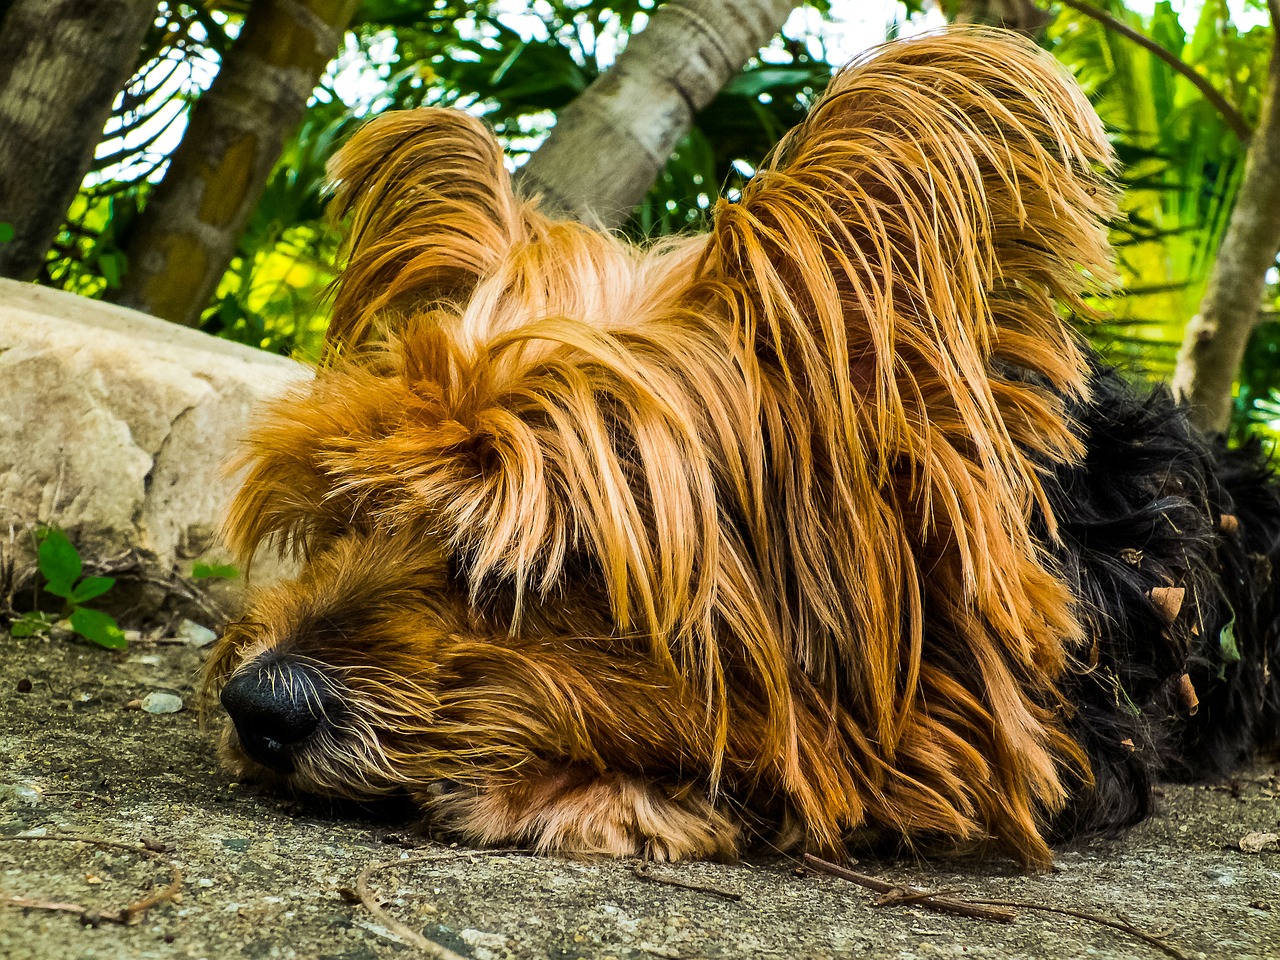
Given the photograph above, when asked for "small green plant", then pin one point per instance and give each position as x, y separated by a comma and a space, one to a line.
213, 571
60, 564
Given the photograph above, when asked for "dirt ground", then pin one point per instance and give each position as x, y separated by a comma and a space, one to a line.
270, 877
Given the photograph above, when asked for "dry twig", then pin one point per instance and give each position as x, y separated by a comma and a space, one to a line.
366, 895
644, 871
371, 900
984, 909
129, 914
915, 895
1114, 924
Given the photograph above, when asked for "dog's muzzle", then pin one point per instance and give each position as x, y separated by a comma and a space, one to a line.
276, 706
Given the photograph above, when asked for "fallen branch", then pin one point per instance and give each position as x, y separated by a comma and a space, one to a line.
127, 915
372, 902
915, 895
180, 586
77, 793
130, 565
1114, 924
980, 908
28, 903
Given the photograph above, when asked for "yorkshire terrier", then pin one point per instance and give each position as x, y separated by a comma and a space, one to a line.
823, 525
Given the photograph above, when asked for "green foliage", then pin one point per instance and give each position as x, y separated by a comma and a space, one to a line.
274, 295
1257, 399
1181, 170
6, 232
89, 259
1227, 645
60, 564
31, 623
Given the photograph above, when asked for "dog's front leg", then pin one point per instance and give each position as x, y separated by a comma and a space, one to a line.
572, 808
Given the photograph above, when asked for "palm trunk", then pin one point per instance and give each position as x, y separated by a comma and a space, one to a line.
1215, 339
187, 233
611, 142
62, 62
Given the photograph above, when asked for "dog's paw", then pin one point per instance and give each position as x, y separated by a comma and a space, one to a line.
572, 811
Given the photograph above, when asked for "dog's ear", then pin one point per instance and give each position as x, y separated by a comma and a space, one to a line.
429, 209
938, 209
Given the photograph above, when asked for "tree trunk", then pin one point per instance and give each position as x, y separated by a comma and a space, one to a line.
609, 145
62, 62
1214, 343
187, 233
1025, 16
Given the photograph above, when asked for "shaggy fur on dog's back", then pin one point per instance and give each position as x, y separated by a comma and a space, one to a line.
629, 550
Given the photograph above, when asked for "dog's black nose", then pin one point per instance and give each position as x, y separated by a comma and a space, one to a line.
276, 706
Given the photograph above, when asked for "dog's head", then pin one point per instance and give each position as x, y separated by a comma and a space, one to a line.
515, 457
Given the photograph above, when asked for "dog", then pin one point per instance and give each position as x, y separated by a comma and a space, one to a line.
824, 527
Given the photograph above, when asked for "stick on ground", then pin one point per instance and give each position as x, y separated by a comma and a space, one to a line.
982, 909
915, 895
129, 914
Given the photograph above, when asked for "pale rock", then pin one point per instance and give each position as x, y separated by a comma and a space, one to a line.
161, 701
116, 427
195, 634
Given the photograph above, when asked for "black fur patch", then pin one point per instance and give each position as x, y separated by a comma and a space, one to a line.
1156, 518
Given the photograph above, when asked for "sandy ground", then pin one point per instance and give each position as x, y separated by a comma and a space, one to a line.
270, 877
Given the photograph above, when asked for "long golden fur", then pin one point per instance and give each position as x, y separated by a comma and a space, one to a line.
649, 550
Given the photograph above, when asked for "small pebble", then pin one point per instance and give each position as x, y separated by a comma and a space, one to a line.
159, 702
1222, 877
27, 793
195, 634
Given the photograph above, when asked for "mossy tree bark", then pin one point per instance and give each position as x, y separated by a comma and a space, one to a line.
187, 233
1215, 339
62, 62
609, 145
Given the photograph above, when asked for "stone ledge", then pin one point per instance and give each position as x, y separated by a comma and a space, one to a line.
115, 427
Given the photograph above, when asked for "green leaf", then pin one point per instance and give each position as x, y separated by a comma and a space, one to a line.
205, 571
59, 562
1227, 642
29, 624
99, 627
91, 587
1128, 705
752, 83
110, 265
6, 232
